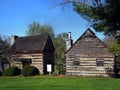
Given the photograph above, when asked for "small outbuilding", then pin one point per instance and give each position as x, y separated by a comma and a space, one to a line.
89, 56
35, 51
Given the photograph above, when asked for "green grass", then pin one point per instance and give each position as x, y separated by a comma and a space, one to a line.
58, 83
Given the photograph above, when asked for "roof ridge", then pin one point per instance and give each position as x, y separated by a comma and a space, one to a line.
81, 37
88, 32
87, 45
33, 36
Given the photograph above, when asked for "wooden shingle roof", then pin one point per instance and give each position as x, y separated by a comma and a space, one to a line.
30, 44
88, 46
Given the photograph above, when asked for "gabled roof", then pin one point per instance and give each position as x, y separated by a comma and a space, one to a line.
89, 45
30, 44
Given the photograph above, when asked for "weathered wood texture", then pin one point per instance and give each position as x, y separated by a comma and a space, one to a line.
37, 60
88, 67
36, 51
87, 50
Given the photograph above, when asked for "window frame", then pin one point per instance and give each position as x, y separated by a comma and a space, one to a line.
100, 62
76, 63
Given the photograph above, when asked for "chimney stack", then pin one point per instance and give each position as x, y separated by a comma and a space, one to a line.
13, 38
69, 42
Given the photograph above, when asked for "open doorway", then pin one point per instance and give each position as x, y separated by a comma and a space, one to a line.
26, 62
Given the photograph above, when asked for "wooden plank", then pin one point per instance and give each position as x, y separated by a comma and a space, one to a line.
94, 72
89, 59
27, 56
86, 74
37, 60
107, 59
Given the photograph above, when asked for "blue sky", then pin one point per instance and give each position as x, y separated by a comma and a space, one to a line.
16, 15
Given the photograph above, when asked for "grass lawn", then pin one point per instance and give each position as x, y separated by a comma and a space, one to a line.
58, 83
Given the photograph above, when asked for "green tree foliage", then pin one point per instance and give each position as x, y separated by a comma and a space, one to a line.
115, 48
110, 40
38, 29
60, 46
4, 50
104, 15
59, 41
112, 44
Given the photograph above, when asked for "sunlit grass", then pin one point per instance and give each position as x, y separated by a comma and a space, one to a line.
58, 83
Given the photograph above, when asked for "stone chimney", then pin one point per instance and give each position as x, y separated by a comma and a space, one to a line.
13, 38
69, 41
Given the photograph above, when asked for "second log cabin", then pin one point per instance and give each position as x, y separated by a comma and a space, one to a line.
89, 56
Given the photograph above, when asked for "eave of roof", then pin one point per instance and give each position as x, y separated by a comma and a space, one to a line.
30, 44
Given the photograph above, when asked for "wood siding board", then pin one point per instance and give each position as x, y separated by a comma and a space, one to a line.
86, 50
37, 60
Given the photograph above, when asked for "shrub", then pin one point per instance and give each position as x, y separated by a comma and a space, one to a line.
30, 71
11, 71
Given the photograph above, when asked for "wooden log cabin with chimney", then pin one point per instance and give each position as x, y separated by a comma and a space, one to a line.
88, 56
36, 51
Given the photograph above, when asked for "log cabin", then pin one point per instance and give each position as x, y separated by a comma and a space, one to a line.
88, 56
35, 51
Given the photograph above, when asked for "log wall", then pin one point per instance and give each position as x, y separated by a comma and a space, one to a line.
88, 67
37, 60
89, 56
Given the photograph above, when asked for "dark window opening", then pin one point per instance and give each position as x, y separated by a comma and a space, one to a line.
76, 63
100, 62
